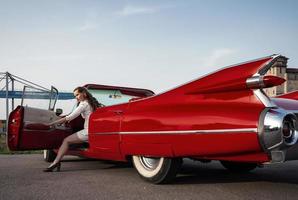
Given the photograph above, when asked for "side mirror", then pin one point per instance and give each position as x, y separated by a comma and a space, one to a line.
59, 111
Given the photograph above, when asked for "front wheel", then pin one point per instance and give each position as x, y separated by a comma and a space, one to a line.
157, 170
239, 167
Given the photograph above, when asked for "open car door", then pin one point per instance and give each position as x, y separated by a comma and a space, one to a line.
27, 129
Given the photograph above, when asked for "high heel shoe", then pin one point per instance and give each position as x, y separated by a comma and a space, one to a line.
51, 168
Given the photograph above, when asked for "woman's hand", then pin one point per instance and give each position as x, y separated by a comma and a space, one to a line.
59, 121
49, 124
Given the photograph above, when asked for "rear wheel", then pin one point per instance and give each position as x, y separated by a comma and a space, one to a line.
157, 170
49, 155
239, 167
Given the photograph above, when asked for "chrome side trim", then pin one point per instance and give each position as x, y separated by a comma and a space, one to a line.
215, 131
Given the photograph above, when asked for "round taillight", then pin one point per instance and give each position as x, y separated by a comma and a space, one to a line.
287, 129
289, 132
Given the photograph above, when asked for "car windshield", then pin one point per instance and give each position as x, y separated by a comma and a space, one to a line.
105, 97
110, 97
39, 98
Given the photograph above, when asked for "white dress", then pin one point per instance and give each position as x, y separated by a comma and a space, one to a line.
83, 109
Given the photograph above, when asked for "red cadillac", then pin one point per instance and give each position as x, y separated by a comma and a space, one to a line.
223, 116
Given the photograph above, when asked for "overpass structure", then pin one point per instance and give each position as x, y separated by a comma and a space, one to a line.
34, 95
10, 90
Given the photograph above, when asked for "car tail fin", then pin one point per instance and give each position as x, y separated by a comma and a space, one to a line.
255, 82
290, 95
249, 75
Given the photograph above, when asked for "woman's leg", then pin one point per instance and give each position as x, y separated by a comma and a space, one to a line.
72, 139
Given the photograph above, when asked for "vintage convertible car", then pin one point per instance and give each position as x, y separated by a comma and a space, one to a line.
223, 116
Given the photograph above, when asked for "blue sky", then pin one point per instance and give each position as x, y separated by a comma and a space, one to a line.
151, 44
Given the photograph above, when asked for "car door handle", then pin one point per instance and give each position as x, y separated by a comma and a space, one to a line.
118, 112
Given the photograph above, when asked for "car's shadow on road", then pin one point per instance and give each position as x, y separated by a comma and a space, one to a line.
194, 172
200, 173
95, 164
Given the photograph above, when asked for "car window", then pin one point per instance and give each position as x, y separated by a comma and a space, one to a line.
53, 98
105, 97
37, 98
110, 97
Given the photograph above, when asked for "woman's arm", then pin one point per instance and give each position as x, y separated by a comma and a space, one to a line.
82, 106
71, 116
59, 121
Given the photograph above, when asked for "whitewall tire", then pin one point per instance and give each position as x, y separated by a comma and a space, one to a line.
157, 170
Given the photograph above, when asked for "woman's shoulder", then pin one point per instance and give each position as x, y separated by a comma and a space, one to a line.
84, 103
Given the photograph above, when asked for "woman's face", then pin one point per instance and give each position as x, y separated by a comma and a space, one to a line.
79, 96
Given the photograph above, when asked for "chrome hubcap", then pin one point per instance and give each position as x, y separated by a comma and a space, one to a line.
149, 163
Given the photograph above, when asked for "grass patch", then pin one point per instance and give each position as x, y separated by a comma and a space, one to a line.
4, 149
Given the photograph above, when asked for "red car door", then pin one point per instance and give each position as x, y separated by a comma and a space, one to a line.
27, 129
104, 131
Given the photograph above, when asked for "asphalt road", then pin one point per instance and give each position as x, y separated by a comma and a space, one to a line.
21, 177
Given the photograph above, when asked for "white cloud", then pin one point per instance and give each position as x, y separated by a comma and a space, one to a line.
128, 10
134, 10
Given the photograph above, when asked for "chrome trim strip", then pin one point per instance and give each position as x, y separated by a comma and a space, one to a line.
264, 98
276, 145
215, 131
269, 64
259, 92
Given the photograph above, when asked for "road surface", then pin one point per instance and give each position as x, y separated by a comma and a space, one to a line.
21, 177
